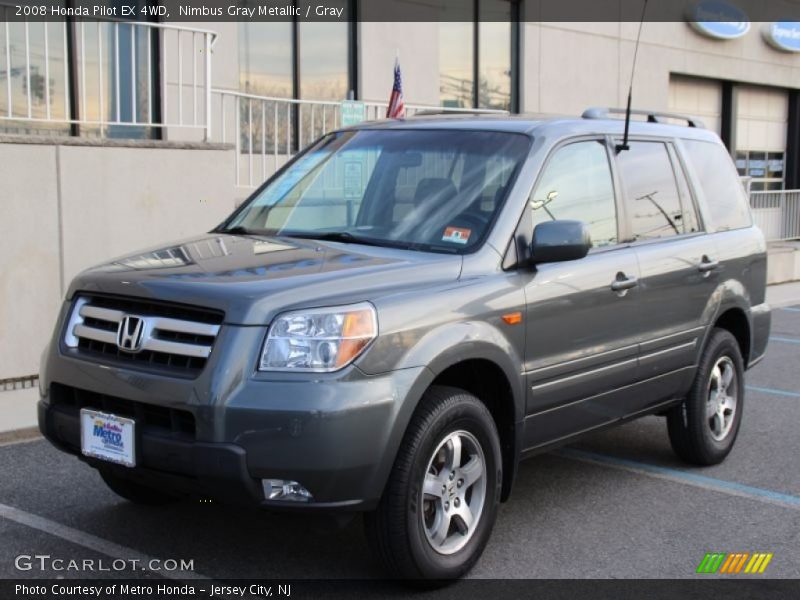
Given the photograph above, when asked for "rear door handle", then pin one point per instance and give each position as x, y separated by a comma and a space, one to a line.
623, 283
707, 265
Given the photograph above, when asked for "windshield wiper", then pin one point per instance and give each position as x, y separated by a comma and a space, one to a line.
238, 229
336, 236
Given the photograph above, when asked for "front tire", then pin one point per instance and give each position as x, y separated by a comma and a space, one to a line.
703, 429
440, 504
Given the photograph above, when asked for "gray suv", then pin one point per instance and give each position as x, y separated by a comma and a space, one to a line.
409, 308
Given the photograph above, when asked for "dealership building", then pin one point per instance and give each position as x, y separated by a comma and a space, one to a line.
118, 135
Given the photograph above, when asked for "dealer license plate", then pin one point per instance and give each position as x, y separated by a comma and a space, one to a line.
108, 437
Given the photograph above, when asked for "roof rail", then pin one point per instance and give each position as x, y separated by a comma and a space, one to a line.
652, 116
432, 112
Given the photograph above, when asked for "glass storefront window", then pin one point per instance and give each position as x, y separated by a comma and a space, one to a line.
766, 169
494, 54
265, 58
47, 78
323, 60
302, 60
475, 58
100, 87
456, 65
269, 51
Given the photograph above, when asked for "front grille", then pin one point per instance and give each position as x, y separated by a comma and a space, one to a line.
175, 421
172, 337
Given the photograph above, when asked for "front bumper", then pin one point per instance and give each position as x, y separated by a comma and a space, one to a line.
336, 434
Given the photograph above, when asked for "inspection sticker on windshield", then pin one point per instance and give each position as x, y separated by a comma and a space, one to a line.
457, 235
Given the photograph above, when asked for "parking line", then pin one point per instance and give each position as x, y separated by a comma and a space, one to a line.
785, 340
773, 391
790, 309
87, 540
701, 481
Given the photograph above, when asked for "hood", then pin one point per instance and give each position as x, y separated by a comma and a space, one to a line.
252, 278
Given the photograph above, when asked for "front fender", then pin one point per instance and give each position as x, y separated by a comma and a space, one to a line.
450, 344
446, 346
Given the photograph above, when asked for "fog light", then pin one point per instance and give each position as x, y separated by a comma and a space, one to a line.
282, 489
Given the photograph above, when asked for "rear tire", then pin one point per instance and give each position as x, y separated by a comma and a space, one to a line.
440, 504
703, 428
135, 492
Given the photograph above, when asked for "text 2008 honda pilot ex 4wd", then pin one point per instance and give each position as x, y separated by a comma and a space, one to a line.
409, 308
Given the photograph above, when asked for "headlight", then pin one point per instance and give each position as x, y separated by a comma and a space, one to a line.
319, 339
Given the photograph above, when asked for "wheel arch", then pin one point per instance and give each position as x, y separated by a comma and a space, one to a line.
729, 308
479, 359
487, 381
734, 320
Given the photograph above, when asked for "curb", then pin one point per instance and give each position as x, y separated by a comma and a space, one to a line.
792, 292
16, 436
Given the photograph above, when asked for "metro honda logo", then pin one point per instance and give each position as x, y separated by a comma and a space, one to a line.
110, 433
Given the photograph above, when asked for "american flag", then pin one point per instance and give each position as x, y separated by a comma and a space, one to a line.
396, 108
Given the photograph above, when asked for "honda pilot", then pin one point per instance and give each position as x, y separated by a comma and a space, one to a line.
409, 308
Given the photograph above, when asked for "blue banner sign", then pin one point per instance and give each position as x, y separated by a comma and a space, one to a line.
719, 20
784, 35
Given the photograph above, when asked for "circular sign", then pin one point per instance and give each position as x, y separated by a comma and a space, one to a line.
784, 35
719, 20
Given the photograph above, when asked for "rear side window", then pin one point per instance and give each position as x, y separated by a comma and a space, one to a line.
724, 194
652, 202
576, 184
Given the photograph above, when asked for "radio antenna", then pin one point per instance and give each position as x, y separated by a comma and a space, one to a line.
624, 145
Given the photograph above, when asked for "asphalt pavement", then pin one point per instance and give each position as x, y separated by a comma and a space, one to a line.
617, 504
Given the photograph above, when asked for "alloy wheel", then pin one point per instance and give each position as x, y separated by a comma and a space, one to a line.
453, 492
723, 391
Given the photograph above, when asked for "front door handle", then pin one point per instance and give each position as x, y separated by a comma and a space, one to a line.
623, 283
707, 265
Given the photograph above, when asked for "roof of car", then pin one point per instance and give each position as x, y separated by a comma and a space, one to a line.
542, 125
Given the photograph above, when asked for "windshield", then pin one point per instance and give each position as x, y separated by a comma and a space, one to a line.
429, 190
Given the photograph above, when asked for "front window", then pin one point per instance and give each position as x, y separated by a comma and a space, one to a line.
425, 190
583, 194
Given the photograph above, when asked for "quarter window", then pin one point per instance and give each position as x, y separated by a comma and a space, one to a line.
725, 197
652, 202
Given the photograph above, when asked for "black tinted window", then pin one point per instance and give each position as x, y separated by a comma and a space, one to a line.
652, 202
724, 195
576, 184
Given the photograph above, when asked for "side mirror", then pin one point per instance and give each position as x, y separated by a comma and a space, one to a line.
557, 241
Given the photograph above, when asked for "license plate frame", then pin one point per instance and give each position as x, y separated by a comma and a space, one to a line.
108, 437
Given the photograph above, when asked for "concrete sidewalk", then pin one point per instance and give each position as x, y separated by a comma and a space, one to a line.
18, 408
18, 414
784, 294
